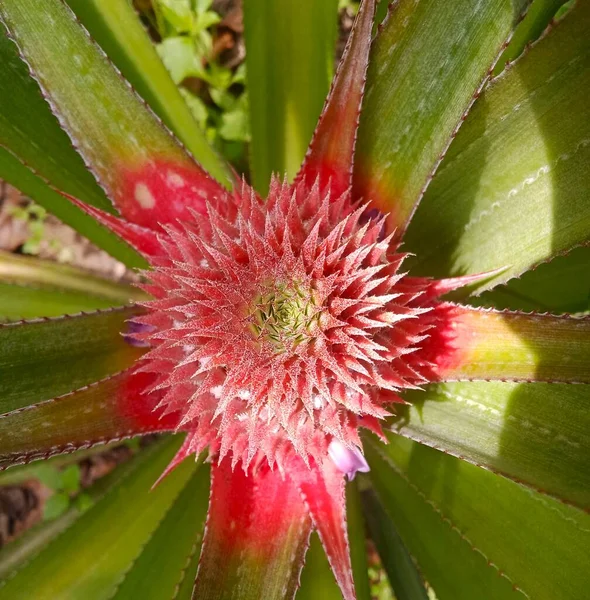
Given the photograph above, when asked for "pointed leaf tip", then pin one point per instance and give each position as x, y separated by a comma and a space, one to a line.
330, 154
322, 489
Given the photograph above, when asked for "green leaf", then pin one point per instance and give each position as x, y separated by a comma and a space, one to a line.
116, 27
513, 189
509, 346
402, 573
289, 56
178, 54
533, 433
39, 288
137, 161
559, 286
32, 541
47, 357
427, 62
89, 559
532, 26
535, 542
31, 132
112, 409
317, 579
357, 540
445, 554
14, 172
155, 574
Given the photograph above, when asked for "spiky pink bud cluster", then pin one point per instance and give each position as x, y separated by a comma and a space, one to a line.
280, 325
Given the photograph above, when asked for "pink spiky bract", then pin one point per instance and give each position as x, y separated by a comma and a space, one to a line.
280, 326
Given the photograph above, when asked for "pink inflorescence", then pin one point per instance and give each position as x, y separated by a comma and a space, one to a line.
281, 326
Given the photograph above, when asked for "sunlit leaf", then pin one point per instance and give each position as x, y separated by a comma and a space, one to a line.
117, 28
533, 433
492, 204
290, 59
146, 173
427, 63
509, 346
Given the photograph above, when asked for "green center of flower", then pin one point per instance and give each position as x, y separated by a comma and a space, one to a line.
285, 315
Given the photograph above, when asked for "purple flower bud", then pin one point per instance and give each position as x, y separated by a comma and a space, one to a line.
131, 335
347, 460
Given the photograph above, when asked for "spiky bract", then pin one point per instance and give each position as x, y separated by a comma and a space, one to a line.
281, 325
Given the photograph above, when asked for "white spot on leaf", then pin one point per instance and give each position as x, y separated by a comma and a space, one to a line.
144, 197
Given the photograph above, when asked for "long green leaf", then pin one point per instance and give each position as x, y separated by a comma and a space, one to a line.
146, 173
110, 410
357, 540
31, 287
13, 171
402, 573
26, 302
290, 57
155, 574
513, 189
427, 63
559, 286
90, 558
14, 555
31, 132
118, 30
532, 433
509, 346
537, 543
447, 557
532, 26
317, 579
47, 357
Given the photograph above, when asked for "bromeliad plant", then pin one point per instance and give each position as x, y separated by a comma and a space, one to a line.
285, 329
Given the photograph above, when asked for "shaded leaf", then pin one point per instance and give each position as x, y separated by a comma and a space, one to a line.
447, 557
491, 204
357, 537
426, 64
118, 30
532, 26
317, 579
533, 433
559, 286
160, 568
402, 573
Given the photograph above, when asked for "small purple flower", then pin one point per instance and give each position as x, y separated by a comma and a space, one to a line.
347, 460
